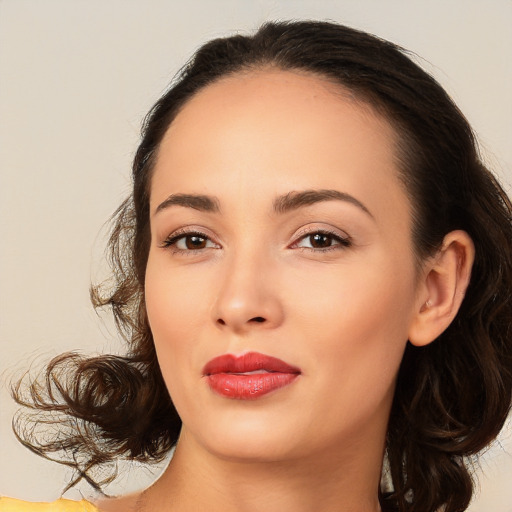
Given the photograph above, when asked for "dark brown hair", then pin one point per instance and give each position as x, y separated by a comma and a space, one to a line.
452, 396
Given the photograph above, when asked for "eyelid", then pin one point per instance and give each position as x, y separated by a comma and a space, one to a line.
328, 230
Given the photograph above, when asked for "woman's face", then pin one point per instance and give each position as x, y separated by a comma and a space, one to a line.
279, 227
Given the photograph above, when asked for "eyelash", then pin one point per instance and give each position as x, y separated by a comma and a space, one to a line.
340, 241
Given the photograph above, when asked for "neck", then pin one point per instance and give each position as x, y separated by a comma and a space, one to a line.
347, 480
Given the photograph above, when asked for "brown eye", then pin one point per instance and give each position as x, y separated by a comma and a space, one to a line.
190, 242
320, 240
195, 242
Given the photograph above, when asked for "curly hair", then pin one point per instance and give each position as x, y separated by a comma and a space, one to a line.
452, 396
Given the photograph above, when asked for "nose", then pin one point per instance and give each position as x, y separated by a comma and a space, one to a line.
248, 297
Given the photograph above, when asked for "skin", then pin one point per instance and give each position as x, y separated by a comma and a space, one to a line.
342, 312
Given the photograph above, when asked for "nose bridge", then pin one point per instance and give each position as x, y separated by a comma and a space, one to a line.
248, 296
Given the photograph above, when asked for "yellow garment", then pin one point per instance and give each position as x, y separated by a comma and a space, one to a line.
62, 505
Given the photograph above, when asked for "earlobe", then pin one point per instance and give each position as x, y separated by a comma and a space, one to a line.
442, 288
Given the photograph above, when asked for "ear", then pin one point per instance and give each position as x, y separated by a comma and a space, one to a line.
441, 289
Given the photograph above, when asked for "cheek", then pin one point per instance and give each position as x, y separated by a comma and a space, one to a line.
357, 319
357, 334
354, 296
173, 300
174, 306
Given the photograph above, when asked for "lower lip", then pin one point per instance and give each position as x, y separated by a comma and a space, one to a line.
249, 387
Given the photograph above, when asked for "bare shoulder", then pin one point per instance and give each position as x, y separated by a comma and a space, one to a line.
128, 503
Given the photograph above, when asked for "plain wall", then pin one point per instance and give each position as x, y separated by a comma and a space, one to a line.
76, 78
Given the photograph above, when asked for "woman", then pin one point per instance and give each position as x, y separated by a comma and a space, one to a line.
313, 276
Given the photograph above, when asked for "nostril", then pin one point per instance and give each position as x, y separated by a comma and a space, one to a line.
258, 319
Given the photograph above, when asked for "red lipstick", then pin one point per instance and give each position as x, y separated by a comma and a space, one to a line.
248, 376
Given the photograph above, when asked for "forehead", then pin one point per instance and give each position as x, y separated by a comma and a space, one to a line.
276, 130
273, 100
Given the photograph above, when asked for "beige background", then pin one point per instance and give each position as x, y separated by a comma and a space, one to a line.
76, 78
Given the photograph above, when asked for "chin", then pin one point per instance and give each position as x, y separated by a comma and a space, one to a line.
243, 450
249, 439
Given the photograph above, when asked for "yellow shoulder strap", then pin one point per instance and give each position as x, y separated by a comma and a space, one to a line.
62, 505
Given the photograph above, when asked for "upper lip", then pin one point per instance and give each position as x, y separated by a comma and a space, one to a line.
248, 362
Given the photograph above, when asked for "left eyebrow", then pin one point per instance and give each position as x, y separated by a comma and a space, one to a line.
295, 200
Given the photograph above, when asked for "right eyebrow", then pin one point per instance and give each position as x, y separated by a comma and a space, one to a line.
197, 202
